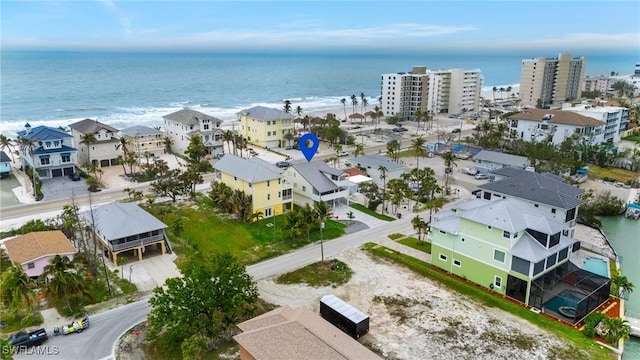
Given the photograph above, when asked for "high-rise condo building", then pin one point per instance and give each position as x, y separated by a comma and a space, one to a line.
440, 91
549, 82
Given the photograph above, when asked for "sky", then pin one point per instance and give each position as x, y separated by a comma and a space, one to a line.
377, 26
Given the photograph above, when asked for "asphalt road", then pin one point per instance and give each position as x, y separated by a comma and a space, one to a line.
97, 341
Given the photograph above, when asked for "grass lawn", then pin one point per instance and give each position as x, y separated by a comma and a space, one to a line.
376, 215
414, 243
635, 138
395, 236
333, 273
620, 175
488, 299
206, 232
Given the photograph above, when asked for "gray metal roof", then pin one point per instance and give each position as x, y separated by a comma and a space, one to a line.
530, 249
542, 188
262, 113
375, 161
90, 126
4, 157
190, 117
139, 130
251, 170
502, 158
314, 172
118, 220
344, 309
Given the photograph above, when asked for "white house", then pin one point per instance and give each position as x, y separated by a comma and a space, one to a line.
373, 162
52, 153
105, 151
616, 118
316, 181
555, 126
183, 124
487, 161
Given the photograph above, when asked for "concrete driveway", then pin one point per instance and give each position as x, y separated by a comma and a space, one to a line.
62, 187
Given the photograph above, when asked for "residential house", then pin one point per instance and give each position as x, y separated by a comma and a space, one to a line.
270, 193
615, 118
105, 151
286, 333
52, 153
5, 165
371, 164
266, 127
185, 123
145, 141
356, 177
123, 228
540, 125
316, 181
486, 161
516, 238
34, 250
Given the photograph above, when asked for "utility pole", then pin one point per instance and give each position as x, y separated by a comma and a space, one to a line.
321, 242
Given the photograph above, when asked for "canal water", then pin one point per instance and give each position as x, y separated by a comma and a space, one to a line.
624, 235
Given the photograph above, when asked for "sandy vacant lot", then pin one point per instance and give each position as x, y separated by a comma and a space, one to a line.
412, 317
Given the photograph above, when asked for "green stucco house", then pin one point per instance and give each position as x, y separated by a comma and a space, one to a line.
516, 238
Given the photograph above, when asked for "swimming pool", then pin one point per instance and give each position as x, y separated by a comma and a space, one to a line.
566, 299
597, 266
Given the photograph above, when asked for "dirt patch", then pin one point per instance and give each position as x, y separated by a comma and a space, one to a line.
412, 316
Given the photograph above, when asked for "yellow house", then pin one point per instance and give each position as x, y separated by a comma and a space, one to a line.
267, 127
270, 193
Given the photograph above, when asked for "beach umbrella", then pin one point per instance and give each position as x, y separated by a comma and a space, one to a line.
356, 116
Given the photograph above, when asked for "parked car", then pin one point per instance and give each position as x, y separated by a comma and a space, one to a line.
283, 164
482, 176
75, 327
400, 129
469, 171
456, 130
74, 176
343, 153
23, 340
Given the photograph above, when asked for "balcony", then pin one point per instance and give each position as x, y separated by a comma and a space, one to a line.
134, 243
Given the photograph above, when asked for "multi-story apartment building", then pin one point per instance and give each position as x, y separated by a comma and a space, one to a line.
51, 151
430, 91
183, 124
549, 82
554, 126
616, 118
144, 141
105, 150
270, 193
517, 239
599, 83
266, 127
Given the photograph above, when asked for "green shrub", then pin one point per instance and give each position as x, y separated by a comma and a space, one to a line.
590, 323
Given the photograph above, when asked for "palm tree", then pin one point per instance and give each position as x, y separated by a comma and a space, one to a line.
257, 216
227, 137
501, 91
354, 102
298, 112
417, 116
617, 329
168, 143
88, 140
64, 281
418, 145
338, 148
6, 143
293, 222
622, 285
508, 90
449, 161
17, 286
494, 93
343, 101
26, 148
309, 218
393, 149
287, 106
359, 150
383, 175
121, 261
419, 226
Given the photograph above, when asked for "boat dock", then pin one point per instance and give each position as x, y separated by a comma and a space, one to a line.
634, 323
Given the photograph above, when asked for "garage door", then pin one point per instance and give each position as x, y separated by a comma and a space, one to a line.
104, 163
56, 172
68, 171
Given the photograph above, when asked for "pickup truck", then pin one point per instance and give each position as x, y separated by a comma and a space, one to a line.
23, 339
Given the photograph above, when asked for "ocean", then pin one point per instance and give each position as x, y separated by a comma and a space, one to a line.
124, 89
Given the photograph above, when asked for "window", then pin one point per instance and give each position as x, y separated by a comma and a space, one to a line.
497, 281
506, 234
267, 212
553, 211
498, 255
31, 265
442, 257
268, 182
44, 160
268, 196
457, 263
304, 188
66, 158
462, 240
205, 126
442, 232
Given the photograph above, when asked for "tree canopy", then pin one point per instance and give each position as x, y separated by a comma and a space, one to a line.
214, 293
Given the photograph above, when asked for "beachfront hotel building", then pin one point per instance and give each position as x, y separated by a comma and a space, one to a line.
185, 123
266, 127
430, 91
549, 82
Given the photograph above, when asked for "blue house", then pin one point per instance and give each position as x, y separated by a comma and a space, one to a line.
51, 151
5, 165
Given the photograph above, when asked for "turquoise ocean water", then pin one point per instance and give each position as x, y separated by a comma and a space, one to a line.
123, 89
